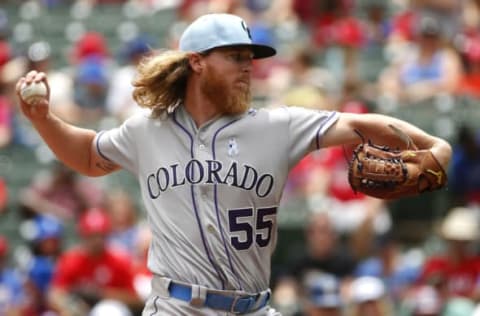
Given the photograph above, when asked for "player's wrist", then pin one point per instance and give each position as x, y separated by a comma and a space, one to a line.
42, 119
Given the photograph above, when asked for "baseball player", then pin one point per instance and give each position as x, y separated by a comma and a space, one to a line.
210, 168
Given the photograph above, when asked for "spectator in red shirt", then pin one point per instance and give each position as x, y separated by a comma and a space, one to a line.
332, 24
456, 272
92, 271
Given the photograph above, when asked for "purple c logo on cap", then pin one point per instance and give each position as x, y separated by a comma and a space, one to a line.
245, 27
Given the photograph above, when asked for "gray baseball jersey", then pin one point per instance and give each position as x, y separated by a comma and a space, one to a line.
211, 193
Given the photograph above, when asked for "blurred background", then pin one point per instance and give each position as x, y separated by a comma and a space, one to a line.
338, 253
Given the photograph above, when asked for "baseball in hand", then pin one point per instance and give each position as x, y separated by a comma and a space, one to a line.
34, 92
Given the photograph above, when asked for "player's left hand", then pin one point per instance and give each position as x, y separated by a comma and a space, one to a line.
384, 173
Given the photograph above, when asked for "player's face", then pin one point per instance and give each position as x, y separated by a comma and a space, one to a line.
226, 80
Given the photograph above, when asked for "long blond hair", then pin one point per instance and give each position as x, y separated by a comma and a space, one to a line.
161, 81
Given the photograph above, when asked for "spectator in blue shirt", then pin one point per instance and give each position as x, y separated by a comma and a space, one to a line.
12, 298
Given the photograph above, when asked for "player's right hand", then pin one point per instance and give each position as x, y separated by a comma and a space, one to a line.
41, 109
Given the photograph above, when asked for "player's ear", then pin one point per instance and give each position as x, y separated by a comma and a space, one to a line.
196, 62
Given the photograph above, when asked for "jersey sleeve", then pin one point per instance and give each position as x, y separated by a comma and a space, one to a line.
120, 144
306, 129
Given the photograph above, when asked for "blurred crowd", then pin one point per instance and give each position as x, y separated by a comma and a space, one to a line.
354, 56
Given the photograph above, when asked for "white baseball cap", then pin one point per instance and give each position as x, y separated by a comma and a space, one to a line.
460, 224
367, 288
221, 30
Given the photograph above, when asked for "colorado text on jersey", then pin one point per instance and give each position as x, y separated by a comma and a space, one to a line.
210, 172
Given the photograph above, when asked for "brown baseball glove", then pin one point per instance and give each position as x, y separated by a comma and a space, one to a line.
384, 173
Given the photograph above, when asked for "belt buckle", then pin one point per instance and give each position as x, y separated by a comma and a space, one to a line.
251, 303
234, 303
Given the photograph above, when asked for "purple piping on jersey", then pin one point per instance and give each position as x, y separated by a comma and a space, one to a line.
216, 204
195, 205
186, 132
97, 144
155, 305
333, 114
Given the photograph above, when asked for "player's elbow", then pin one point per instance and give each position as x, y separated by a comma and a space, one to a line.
98, 169
442, 150
94, 174
99, 165
446, 147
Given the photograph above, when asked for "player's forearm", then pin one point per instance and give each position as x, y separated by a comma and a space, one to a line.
70, 144
377, 128
440, 148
